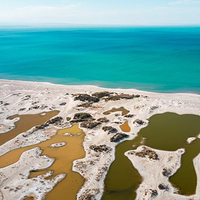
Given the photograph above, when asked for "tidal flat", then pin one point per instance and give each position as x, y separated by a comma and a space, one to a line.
97, 143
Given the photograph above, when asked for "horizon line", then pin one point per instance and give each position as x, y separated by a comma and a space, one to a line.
68, 25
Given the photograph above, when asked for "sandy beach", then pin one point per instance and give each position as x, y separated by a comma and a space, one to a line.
102, 134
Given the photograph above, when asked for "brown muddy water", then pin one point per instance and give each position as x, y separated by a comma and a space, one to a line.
168, 131
64, 157
25, 123
69, 187
125, 127
122, 109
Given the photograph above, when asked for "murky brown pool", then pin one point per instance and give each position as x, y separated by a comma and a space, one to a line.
167, 131
65, 156
25, 123
121, 109
69, 187
125, 127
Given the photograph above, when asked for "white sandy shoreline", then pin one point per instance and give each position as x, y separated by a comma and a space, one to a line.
98, 87
52, 95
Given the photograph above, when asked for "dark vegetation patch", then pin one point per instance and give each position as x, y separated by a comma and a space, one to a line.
118, 137
103, 120
81, 117
89, 194
42, 107
110, 129
139, 121
154, 107
163, 187
34, 107
100, 148
85, 105
22, 109
56, 121
63, 104
154, 193
68, 118
147, 152
87, 121
129, 116
100, 95
166, 172
35, 102
86, 98
27, 97
121, 96
107, 96
89, 124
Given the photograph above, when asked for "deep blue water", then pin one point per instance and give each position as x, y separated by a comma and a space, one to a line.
155, 59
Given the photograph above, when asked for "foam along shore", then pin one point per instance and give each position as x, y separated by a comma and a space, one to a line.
20, 97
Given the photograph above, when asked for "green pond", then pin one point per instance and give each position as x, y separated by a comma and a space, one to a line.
168, 131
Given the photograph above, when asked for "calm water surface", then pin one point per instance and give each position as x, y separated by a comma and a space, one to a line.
155, 59
167, 131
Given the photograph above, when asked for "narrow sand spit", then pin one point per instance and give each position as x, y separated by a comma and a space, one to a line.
156, 185
191, 139
18, 97
160, 188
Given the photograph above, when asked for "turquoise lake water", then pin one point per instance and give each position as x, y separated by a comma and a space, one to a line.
154, 59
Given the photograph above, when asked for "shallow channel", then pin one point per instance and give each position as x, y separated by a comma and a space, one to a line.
25, 123
64, 157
